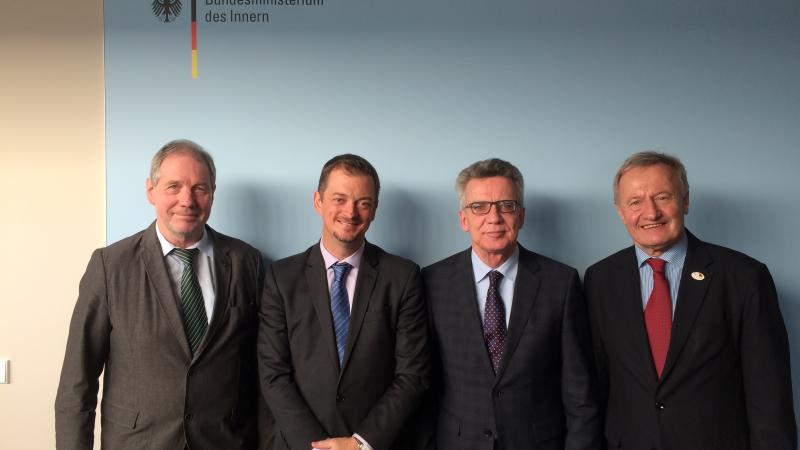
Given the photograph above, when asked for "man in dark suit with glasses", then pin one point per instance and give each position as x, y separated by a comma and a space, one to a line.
509, 332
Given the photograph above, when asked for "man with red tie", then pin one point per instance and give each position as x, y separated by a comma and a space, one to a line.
690, 345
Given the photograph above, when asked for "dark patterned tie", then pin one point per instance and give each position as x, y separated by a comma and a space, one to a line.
340, 307
658, 315
195, 320
494, 321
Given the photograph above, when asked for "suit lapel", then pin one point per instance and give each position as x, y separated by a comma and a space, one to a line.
691, 294
317, 280
367, 274
631, 313
222, 273
466, 306
526, 289
157, 272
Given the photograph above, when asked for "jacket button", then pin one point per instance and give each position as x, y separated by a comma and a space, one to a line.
487, 432
188, 417
659, 406
498, 393
339, 398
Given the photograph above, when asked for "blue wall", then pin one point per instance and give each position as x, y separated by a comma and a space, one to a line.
564, 89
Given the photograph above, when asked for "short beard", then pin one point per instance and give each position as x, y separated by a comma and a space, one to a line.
345, 240
187, 234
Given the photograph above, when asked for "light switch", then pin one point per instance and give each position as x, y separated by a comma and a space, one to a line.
4, 371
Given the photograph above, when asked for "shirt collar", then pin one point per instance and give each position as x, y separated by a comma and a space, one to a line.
674, 254
354, 259
508, 268
205, 244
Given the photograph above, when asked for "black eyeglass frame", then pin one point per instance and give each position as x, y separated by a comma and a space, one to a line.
502, 206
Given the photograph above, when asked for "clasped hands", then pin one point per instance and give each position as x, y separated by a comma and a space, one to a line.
341, 443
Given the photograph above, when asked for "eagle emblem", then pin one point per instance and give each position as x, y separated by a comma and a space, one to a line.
166, 10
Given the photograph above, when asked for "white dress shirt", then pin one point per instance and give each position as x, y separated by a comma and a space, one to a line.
203, 269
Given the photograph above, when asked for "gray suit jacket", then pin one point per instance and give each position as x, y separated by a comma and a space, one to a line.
726, 383
385, 370
127, 324
543, 394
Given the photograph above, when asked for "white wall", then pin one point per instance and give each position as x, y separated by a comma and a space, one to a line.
53, 207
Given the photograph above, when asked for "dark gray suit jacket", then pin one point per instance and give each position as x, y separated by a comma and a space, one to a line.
726, 382
127, 323
543, 394
385, 371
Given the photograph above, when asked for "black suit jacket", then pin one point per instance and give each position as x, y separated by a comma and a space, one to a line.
543, 394
385, 370
726, 382
127, 323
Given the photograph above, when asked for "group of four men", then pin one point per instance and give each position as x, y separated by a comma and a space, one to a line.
677, 344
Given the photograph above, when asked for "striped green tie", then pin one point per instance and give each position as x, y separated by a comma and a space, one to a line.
195, 321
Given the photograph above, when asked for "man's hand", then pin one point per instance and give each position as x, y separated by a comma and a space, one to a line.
342, 443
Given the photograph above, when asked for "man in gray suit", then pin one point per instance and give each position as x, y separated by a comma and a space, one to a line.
509, 332
168, 315
342, 345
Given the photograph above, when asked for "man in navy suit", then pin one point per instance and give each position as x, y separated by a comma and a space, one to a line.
690, 345
509, 332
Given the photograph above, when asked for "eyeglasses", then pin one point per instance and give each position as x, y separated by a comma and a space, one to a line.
502, 206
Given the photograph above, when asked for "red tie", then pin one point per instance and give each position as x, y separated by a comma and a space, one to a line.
658, 315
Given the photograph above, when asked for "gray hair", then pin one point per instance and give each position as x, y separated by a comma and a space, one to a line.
652, 158
487, 168
184, 146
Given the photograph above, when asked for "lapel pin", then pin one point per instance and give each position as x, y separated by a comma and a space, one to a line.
698, 276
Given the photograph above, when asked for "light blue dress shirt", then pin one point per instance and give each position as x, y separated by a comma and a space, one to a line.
675, 257
506, 287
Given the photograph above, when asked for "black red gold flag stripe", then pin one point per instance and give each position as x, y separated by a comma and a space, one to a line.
194, 38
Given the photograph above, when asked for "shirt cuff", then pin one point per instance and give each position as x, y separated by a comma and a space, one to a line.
364, 443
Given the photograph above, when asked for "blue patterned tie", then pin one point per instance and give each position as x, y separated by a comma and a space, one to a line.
340, 307
494, 321
195, 320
